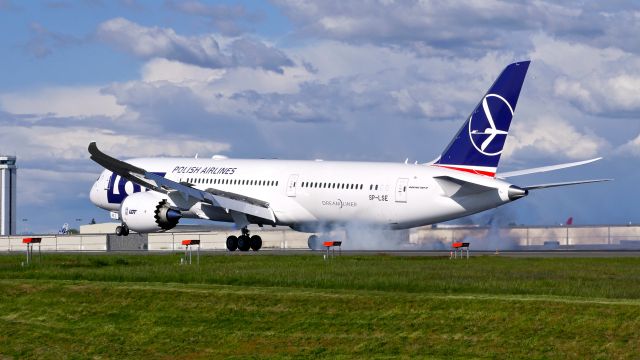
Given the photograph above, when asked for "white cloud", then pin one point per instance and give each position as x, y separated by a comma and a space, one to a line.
43, 186
597, 80
464, 27
37, 143
204, 50
177, 72
632, 147
149, 42
78, 101
549, 136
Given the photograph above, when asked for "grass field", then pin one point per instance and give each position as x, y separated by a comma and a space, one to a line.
149, 306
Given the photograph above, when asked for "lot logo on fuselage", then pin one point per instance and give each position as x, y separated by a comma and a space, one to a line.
488, 128
119, 188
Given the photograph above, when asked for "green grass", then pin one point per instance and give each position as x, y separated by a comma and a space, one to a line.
84, 306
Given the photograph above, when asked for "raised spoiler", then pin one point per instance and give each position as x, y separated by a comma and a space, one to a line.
231, 202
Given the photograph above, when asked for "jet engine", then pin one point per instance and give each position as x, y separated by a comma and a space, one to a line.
147, 212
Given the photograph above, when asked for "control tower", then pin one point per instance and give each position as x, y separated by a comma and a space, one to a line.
8, 178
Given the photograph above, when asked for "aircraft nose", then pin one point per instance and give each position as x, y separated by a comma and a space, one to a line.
93, 194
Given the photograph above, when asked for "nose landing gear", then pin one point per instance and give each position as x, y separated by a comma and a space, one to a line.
244, 242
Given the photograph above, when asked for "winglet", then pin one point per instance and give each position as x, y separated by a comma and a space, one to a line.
109, 162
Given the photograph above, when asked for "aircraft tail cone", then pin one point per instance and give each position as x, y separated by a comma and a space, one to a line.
516, 192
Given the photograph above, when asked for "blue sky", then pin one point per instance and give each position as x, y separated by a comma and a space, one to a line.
369, 80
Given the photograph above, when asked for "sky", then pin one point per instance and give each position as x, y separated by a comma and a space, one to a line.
367, 81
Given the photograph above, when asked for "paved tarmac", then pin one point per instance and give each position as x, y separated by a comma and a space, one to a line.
519, 253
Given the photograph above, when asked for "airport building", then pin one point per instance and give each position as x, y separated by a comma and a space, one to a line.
101, 237
8, 178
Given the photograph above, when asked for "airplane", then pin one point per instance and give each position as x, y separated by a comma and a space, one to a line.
154, 194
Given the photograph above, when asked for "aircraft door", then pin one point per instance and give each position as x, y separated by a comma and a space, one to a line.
291, 185
401, 190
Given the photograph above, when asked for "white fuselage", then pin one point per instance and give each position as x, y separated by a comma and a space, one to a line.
308, 194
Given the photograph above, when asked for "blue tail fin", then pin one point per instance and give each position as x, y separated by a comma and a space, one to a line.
478, 144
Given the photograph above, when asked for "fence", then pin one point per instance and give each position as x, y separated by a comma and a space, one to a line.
531, 237
271, 239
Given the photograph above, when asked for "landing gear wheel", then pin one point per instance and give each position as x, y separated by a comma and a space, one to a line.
256, 242
314, 242
244, 243
232, 243
122, 230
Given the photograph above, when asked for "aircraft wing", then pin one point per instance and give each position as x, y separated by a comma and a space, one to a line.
231, 202
544, 169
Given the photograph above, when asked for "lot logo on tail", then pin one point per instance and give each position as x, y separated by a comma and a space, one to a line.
485, 135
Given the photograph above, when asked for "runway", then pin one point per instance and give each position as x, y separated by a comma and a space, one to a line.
337, 253
521, 253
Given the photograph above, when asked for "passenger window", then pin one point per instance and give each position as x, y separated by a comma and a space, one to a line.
376, 187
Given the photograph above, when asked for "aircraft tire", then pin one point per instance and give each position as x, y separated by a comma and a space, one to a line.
314, 242
119, 230
244, 243
232, 243
125, 230
256, 242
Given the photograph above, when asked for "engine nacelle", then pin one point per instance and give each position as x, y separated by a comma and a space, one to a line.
147, 212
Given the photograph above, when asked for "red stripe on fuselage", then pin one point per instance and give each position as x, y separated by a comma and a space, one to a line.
472, 171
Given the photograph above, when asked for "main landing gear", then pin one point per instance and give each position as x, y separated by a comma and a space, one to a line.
122, 230
244, 242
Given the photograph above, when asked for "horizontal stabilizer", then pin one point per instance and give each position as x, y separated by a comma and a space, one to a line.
544, 186
544, 169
